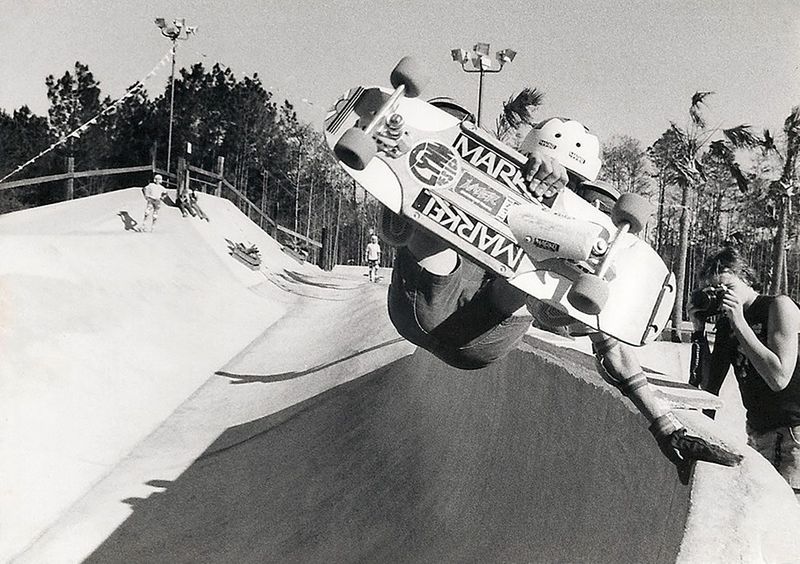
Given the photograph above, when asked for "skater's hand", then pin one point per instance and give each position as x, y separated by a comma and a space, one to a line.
544, 175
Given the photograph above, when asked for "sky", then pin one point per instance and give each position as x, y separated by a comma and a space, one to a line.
620, 67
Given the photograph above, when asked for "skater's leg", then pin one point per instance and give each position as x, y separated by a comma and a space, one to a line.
432, 254
437, 258
450, 313
619, 366
508, 299
156, 206
148, 210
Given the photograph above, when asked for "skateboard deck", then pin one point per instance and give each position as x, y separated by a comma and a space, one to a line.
682, 395
462, 185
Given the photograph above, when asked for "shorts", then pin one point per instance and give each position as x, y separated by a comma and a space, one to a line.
372, 263
452, 316
781, 447
152, 205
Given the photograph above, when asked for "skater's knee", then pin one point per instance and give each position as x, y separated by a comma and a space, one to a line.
617, 364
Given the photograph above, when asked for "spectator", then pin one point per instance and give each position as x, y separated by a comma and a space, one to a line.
373, 256
195, 208
185, 203
154, 194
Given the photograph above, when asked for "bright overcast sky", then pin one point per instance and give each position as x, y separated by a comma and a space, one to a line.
621, 67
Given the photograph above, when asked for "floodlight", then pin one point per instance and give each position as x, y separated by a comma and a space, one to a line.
481, 63
506, 55
482, 49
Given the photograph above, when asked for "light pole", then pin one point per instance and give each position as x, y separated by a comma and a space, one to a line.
173, 33
481, 63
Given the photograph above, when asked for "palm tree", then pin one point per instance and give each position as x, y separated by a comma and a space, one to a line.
517, 111
782, 190
690, 176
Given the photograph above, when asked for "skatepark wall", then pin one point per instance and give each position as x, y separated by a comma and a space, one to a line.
104, 330
161, 401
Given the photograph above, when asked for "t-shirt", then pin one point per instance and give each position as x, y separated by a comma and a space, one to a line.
154, 190
373, 251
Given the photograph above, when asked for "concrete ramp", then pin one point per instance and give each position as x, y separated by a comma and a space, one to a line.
104, 331
417, 462
294, 425
531, 460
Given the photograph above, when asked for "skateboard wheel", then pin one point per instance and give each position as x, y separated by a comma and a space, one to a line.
355, 149
395, 230
410, 74
588, 294
632, 209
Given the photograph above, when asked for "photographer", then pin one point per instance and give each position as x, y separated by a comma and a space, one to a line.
758, 336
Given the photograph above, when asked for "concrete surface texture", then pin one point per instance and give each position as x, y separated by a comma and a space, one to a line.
161, 402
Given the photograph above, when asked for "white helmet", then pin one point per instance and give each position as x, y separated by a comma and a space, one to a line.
569, 142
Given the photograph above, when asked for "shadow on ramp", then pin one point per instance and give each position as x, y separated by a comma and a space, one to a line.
284, 376
524, 461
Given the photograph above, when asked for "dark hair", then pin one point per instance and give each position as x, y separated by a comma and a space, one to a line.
728, 258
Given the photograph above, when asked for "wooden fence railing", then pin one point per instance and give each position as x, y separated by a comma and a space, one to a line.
205, 178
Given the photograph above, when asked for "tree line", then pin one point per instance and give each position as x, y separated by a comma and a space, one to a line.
710, 185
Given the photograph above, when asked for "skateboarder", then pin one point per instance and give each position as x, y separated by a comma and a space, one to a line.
469, 317
373, 257
154, 193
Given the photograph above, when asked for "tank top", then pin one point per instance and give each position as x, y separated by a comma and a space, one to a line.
765, 409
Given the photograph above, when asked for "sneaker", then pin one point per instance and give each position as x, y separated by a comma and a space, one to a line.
684, 448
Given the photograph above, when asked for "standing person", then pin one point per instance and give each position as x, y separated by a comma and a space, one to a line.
469, 317
758, 336
153, 195
373, 257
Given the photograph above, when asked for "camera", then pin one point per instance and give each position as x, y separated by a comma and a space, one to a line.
708, 301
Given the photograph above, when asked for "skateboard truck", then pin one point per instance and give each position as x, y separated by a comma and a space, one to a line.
589, 293
392, 139
357, 147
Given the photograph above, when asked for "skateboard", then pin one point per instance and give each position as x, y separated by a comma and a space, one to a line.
681, 395
250, 256
464, 186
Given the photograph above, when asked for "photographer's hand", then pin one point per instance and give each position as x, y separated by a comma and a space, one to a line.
733, 309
